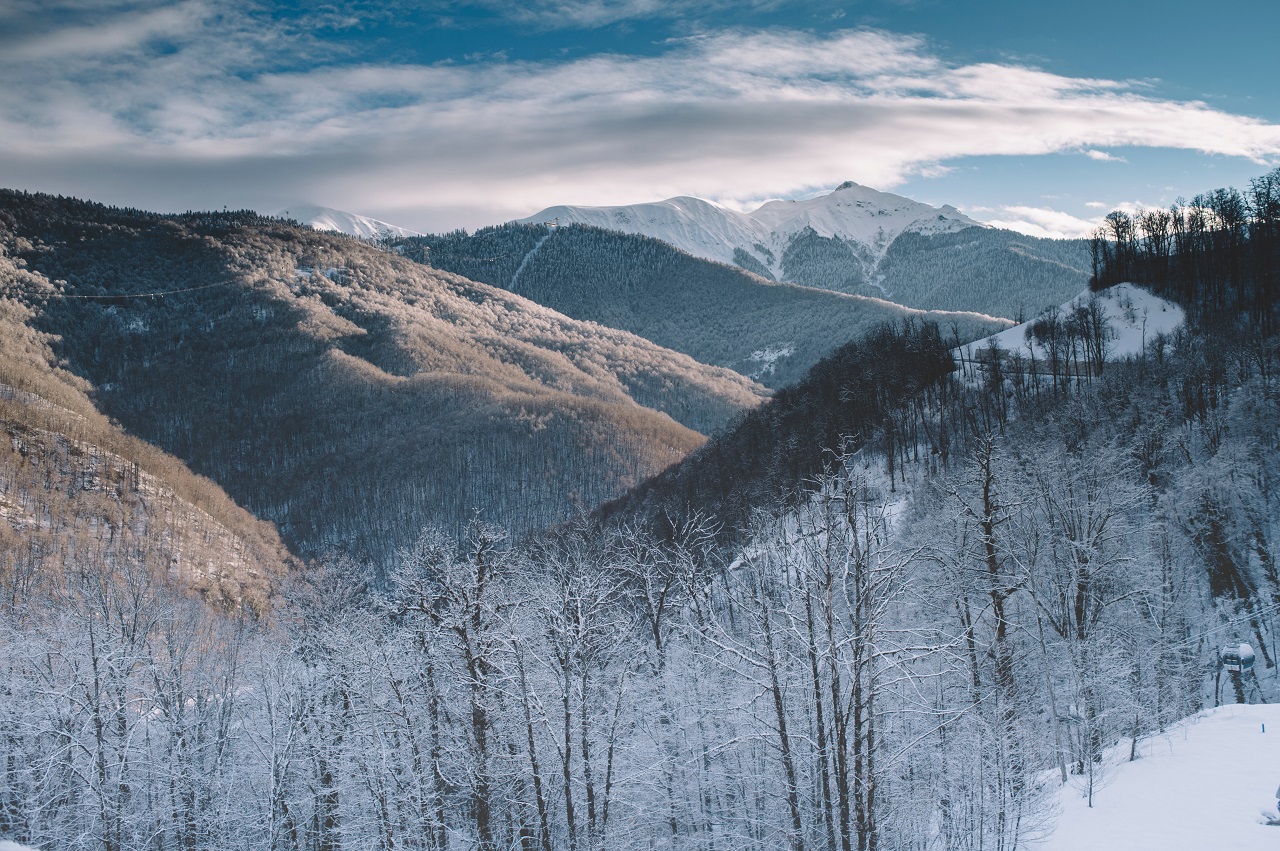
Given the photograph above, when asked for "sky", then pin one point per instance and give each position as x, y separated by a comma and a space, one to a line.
443, 114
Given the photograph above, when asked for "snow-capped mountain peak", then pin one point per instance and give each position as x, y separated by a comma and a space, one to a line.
326, 218
865, 218
860, 214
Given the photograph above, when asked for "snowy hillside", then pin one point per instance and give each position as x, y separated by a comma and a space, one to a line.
861, 214
1203, 784
1134, 316
324, 218
856, 214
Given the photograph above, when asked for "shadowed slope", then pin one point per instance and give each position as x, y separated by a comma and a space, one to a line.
349, 395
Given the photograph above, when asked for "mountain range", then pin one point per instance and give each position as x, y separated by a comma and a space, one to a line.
859, 240
714, 312
346, 394
351, 396
854, 240
761, 240
894, 604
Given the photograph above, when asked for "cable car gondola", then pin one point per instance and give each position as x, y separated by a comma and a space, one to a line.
1236, 658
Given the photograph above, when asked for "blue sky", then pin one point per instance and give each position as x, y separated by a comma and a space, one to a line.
459, 113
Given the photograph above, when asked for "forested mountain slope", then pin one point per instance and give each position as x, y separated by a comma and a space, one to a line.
716, 313
1032, 564
993, 271
75, 489
857, 240
850, 401
344, 393
997, 582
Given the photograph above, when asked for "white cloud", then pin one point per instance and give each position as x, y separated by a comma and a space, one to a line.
1038, 221
586, 14
1103, 156
117, 35
729, 115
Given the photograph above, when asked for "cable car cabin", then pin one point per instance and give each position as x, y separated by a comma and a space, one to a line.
1237, 658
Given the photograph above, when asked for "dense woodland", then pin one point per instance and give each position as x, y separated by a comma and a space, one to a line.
872, 392
341, 392
985, 270
1218, 253
992, 271
979, 585
712, 312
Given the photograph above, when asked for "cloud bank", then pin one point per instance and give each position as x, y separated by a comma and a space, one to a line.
198, 104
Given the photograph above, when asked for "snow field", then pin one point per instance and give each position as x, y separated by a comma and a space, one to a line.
1201, 786
1135, 316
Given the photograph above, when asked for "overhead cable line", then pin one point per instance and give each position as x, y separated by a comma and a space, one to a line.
116, 295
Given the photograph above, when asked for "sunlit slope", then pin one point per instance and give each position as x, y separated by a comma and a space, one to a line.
349, 395
76, 492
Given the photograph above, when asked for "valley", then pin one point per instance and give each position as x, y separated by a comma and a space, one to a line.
355, 551
613, 425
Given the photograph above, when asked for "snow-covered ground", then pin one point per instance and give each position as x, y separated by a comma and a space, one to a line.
1134, 316
6, 845
1202, 786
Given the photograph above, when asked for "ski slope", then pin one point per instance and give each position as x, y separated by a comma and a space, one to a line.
1201, 786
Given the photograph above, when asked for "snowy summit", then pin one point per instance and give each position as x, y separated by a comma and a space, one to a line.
326, 218
856, 214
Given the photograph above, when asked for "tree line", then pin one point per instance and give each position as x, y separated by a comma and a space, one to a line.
1217, 253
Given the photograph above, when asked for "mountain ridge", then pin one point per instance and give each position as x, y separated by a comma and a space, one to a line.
851, 212
349, 395
717, 313
352, 224
854, 240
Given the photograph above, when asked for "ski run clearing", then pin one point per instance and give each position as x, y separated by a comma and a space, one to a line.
1207, 783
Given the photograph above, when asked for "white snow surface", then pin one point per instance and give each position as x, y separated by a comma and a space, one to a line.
1134, 315
768, 359
325, 218
852, 212
6, 845
1207, 783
